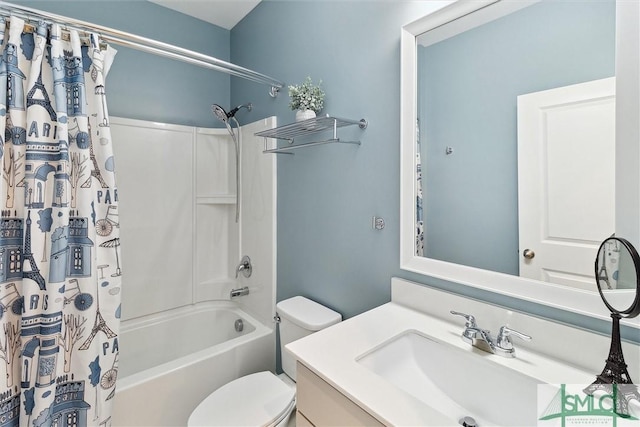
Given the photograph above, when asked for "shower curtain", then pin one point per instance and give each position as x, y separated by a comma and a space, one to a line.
59, 246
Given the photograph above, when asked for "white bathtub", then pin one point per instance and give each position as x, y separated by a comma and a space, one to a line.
170, 361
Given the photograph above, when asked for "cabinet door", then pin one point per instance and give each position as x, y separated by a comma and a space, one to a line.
302, 421
323, 405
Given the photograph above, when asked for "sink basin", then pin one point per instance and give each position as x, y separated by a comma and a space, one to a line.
455, 382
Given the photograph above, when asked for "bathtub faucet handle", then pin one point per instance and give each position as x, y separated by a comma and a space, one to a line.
244, 267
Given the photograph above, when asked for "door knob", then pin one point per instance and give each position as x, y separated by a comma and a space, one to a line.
528, 254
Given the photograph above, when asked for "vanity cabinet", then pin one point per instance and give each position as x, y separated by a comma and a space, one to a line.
319, 404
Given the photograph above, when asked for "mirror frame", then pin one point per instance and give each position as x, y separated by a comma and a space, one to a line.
578, 301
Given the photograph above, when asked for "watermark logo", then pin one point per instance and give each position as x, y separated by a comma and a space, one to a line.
568, 405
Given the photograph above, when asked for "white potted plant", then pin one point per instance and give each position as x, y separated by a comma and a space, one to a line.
307, 98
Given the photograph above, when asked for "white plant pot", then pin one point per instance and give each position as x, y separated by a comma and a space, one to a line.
302, 115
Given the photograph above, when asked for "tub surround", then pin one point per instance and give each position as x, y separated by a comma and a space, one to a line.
189, 215
557, 354
188, 269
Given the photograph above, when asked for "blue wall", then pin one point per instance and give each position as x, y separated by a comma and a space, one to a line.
469, 89
147, 87
326, 195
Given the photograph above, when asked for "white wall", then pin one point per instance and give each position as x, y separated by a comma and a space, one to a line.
258, 218
180, 241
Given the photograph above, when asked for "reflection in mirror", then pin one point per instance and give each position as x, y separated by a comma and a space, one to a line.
616, 273
483, 94
491, 284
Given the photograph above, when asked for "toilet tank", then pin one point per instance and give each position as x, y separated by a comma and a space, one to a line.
299, 317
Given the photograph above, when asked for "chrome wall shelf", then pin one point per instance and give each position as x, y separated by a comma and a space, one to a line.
309, 127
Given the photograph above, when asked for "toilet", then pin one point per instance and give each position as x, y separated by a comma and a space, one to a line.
263, 398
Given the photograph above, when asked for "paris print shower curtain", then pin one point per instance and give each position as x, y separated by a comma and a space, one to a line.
59, 246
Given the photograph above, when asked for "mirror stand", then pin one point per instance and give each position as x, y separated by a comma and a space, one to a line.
615, 378
617, 271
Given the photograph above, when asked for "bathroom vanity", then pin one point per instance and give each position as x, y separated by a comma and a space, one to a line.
319, 403
404, 363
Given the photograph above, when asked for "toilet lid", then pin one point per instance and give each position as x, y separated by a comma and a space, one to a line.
253, 400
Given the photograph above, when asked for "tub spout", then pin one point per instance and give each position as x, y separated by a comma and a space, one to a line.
239, 292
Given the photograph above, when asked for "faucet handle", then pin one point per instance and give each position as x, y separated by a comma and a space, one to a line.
504, 342
471, 321
245, 267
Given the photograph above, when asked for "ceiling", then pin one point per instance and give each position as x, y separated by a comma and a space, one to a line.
223, 13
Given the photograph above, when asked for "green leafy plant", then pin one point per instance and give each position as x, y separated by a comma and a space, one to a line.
306, 96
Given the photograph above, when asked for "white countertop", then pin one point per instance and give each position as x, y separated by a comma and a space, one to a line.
332, 354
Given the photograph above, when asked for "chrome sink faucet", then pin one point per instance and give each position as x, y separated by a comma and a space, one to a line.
482, 339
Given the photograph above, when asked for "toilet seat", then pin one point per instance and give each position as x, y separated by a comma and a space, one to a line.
259, 399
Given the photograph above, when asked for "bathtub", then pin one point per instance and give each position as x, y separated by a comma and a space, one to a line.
169, 362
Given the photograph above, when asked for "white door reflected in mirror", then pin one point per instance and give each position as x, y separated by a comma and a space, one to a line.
566, 180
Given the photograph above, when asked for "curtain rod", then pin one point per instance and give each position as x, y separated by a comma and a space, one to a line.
143, 44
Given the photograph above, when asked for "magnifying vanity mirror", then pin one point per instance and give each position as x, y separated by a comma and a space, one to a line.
515, 117
617, 270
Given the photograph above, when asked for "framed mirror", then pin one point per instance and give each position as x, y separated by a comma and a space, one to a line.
462, 180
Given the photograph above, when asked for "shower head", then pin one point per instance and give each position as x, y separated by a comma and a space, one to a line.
223, 116
219, 112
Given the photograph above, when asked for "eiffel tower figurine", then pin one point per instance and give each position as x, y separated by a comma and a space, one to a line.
34, 274
44, 102
615, 378
96, 170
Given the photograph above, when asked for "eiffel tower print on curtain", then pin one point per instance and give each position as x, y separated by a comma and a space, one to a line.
98, 325
95, 172
43, 100
34, 272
